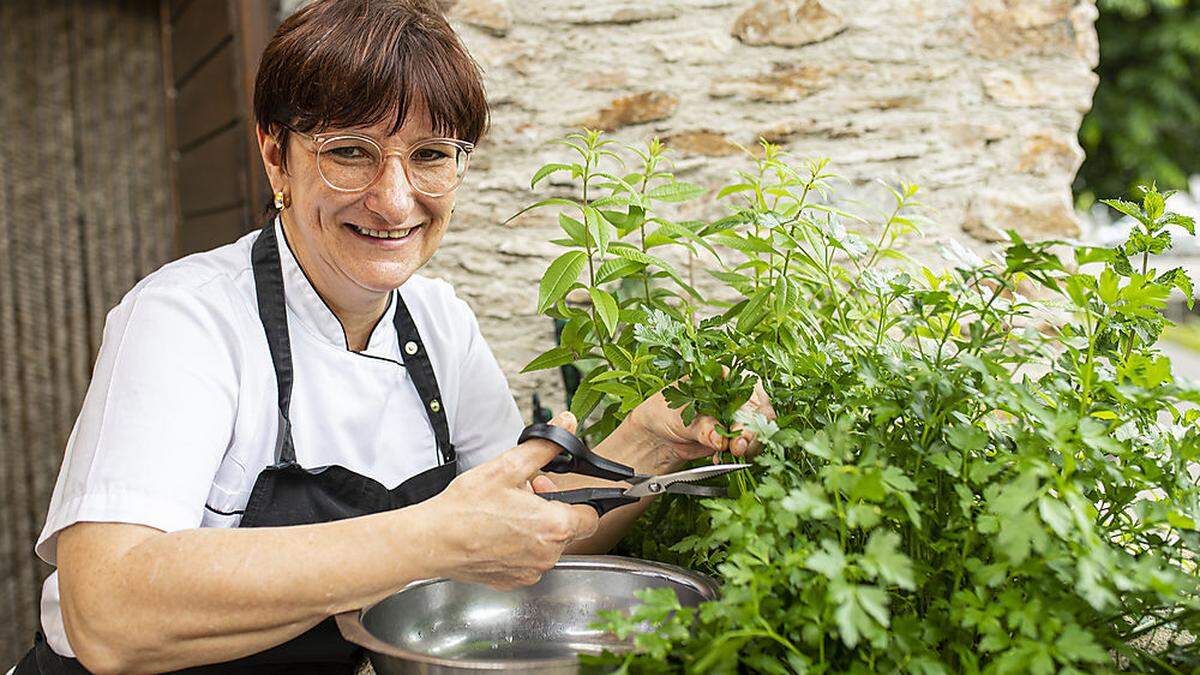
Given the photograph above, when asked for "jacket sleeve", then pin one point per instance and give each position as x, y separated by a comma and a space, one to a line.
157, 418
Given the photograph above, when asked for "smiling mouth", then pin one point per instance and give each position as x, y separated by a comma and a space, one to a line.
387, 235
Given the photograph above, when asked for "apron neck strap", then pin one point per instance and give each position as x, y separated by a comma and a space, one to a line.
272, 312
420, 371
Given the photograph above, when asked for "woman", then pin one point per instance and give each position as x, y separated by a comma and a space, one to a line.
295, 424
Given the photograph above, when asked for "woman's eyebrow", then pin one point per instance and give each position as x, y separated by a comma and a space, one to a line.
382, 140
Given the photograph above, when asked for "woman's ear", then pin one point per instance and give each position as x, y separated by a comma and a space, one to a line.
272, 156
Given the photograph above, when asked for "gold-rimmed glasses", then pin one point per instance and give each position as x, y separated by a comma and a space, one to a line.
349, 162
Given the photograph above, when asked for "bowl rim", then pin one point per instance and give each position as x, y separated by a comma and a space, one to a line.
354, 630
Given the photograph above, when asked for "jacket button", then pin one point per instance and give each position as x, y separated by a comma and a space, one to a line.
435, 406
410, 348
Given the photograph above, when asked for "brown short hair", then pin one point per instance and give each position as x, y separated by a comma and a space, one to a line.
340, 63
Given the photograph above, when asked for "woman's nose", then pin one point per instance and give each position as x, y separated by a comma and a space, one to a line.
392, 196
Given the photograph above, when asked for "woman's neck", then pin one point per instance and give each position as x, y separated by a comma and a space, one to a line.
357, 322
356, 309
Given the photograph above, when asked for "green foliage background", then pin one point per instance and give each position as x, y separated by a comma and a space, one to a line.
984, 469
1145, 120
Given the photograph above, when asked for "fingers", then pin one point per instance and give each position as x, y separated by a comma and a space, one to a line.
584, 521
761, 401
543, 483
581, 520
746, 443
705, 432
524, 461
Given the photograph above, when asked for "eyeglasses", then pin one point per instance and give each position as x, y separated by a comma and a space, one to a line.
353, 162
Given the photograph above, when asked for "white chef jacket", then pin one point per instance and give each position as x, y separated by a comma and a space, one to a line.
181, 414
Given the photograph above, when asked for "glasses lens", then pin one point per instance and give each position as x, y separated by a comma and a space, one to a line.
349, 163
437, 167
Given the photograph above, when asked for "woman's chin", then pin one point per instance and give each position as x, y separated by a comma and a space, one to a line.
385, 277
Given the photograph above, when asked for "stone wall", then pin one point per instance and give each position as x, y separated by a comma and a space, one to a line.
978, 101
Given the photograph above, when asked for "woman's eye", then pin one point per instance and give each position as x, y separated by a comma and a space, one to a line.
348, 152
429, 155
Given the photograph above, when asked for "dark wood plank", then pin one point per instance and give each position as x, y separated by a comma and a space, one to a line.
208, 101
175, 8
254, 23
201, 233
212, 175
202, 27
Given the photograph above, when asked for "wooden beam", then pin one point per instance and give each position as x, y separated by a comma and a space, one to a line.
254, 23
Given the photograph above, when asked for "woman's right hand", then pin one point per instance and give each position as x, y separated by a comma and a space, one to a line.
496, 531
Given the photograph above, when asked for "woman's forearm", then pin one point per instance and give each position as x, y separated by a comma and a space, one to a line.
208, 595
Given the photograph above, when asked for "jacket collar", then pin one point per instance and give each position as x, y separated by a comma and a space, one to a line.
310, 309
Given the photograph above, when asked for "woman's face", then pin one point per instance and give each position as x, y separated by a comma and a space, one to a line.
323, 224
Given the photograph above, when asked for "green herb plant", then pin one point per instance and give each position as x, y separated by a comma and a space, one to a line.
982, 469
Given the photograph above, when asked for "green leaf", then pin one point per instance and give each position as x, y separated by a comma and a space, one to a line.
585, 400
1128, 208
1055, 514
785, 296
1019, 535
669, 232
614, 200
559, 278
860, 611
744, 243
968, 438
754, 311
1178, 278
883, 559
553, 201
618, 389
1153, 204
807, 501
558, 356
606, 307
1075, 645
1186, 222
630, 253
598, 229
574, 230
828, 561
547, 170
731, 278
617, 268
733, 189
617, 355
675, 192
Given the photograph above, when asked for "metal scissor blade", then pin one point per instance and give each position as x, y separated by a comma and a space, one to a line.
654, 485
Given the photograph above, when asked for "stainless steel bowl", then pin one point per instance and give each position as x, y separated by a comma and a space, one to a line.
441, 626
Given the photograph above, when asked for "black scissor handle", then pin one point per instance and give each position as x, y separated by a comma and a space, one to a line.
601, 499
575, 457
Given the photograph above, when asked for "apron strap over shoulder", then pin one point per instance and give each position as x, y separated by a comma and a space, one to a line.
420, 369
272, 311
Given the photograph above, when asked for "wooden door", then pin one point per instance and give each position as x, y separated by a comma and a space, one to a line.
84, 214
124, 143
213, 50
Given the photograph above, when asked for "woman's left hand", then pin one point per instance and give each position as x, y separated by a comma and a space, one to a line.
673, 443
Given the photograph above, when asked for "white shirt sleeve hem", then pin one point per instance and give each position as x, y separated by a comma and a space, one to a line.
117, 505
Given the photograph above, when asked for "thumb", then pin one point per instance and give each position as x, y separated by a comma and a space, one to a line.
528, 458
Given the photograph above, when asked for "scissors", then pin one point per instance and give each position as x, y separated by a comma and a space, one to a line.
577, 458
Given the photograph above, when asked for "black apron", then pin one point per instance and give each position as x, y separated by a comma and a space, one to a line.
289, 494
